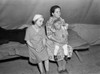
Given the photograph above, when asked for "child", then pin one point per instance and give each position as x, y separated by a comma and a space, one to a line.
60, 36
35, 38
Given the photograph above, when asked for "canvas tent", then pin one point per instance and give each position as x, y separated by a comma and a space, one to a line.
83, 14
14, 13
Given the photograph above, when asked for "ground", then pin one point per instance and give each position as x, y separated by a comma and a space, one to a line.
90, 64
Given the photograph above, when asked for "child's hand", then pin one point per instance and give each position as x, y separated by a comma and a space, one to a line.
53, 30
66, 26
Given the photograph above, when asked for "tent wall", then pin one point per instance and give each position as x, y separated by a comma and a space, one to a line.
14, 13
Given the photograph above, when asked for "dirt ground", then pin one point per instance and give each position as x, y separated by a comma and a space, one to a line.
90, 64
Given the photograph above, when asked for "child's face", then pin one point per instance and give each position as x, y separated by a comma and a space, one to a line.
57, 26
39, 22
57, 13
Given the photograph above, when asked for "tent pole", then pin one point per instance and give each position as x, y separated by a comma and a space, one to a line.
78, 55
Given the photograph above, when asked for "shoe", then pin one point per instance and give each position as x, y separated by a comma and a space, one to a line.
60, 72
66, 71
55, 58
66, 58
63, 71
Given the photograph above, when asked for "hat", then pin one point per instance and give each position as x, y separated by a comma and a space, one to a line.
37, 16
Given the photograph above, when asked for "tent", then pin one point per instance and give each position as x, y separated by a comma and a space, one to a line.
82, 15
14, 13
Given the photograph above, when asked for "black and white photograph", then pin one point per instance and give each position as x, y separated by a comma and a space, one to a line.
49, 36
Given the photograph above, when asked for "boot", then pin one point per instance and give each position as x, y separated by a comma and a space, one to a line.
65, 71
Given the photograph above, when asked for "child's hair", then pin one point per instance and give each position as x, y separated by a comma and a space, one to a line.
52, 10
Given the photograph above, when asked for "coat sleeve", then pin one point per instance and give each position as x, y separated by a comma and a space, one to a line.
29, 37
49, 28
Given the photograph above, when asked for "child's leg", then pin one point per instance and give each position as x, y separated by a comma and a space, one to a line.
46, 63
65, 48
56, 49
41, 67
55, 52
